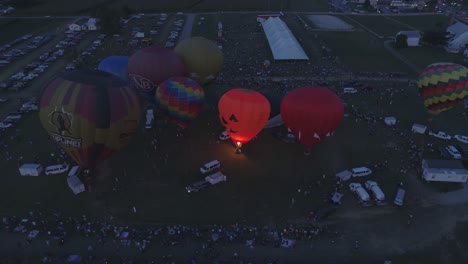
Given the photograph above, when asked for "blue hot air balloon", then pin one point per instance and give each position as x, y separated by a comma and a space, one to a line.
116, 65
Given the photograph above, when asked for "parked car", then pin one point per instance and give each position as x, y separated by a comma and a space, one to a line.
440, 134
5, 125
224, 136
462, 139
454, 153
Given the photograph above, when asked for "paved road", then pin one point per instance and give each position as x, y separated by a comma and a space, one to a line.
187, 31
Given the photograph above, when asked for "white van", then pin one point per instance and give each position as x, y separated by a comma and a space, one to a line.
453, 152
361, 171
349, 90
56, 169
210, 166
75, 171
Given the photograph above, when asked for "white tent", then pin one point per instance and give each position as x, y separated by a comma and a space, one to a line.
283, 44
457, 29
75, 184
458, 44
413, 37
274, 121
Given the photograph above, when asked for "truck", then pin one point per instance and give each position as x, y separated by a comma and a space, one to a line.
374, 189
399, 196
31, 169
364, 198
209, 180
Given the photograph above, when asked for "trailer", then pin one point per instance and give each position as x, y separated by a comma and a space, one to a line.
31, 169
444, 171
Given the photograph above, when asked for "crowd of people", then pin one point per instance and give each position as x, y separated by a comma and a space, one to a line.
53, 229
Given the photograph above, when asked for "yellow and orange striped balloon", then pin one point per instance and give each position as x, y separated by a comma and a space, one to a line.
91, 114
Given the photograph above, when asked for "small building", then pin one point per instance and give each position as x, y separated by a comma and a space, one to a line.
458, 40
91, 24
444, 171
78, 25
413, 37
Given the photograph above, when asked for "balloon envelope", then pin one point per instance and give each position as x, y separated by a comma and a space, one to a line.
152, 65
180, 100
116, 65
202, 57
312, 113
243, 113
91, 114
442, 86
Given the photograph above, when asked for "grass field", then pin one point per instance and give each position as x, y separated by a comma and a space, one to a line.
61, 7
380, 25
423, 56
423, 23
361, 51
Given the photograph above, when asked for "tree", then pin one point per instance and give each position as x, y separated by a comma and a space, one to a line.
401, 41
367, 4
435, 38
108, 19
126, 11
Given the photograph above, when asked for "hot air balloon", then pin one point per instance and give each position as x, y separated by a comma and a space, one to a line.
312, 114
442, 86
203, 59
152, 65
180, 100
91, 114
117, 65
243, 113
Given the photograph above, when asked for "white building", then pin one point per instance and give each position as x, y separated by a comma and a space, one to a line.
413, 37
444, 171
91, 24
458, 37
283, 44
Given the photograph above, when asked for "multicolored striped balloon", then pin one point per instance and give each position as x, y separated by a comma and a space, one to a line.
442, 86
91, 114
180, 100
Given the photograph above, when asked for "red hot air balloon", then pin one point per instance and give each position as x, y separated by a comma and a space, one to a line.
312, 113
152, 65
243, 113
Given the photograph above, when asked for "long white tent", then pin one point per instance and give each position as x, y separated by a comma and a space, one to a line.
283, 44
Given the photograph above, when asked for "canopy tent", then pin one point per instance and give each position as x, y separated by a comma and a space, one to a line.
458, 44
457, 29
283, 44
75, 184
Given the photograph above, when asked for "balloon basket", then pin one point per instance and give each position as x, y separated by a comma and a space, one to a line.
307, 152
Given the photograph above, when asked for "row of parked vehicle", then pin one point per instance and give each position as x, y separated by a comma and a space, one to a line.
36, 42
174, 35
12, 118
15, 42
87, 52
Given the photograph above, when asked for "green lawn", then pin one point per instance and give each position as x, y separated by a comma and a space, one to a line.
380, 24
423, 56
208, 27
423, 23
361, 51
